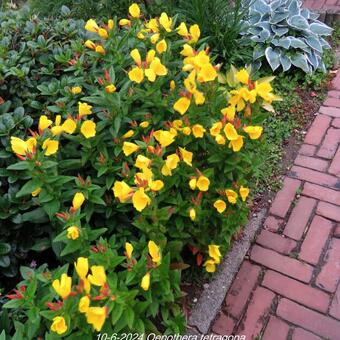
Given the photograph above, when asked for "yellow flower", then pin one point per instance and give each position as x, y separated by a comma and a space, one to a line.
124, 22
186, 156
78, 200
164, 138
187, 51
110, 88
84, 109
63, 286
210, 266
231, 196
19, 146
216, 128
194, 33
157, 185
254, 132
102, 32
236, 144
145, 284
156, 69
198, 130
214, 253
91, 26
220, 139
135, 55
134, 10
243, 76
69, 125
59, 325
154, 252
144, 124
182, 105
172, 161
142, 162
192, 214
73, 233
161, 46
230, 132
244, 192
182, 30
150, 56
50, 146
110, 24
220, 206
152, 25
129, 148
82, 267
186, 130
207, 73
100, 49
128, 249
203, 183
140, 199
128, 134
136, 75
76, 90
172, 85
84, 304
229, 112
122, 191
193, 183
98, 276
264, 90
36, 192
96, 317
199, 97
90, 44
154, 38
88, 129
165, 21
44, 123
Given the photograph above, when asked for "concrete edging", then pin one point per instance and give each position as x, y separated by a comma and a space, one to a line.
212, 298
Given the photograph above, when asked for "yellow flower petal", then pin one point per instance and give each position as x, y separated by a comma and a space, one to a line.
88, 129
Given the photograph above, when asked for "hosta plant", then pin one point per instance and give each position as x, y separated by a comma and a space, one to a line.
286, 35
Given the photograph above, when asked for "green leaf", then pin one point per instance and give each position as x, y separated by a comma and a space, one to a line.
71, 247
5, 261
116, 313
129, 315
42, 244
51, 208
23, 165
5, 248
29, 187
94, 234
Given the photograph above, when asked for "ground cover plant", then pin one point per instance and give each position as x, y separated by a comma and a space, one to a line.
153, 151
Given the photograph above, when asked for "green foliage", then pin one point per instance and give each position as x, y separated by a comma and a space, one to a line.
286, 35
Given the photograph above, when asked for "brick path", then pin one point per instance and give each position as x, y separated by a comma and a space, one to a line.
322, 5
289, 288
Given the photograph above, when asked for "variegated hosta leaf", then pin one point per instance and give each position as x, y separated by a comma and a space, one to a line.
273, 58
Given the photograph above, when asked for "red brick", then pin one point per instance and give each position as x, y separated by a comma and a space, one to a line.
330, 111
315, 240
314, 176
283, 264
335, 306
337, 231
307, 150
317, 130
330, 272
335, 102
335, 165
241, 289
334, 94
297, 291
336, 82
273, 224
321, 193
336, 123
223, 325
329, 210
330, 144
308, 319
311, 162
256, 314
299, 218
276, 329
276, 242
284, 197
331, 2
301, 334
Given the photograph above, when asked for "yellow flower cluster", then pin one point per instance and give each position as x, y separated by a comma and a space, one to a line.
215, 258
96, 276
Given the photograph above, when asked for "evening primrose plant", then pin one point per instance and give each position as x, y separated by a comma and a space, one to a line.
160, 145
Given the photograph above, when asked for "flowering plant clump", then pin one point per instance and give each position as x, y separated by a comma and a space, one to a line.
160, 145
103, 292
